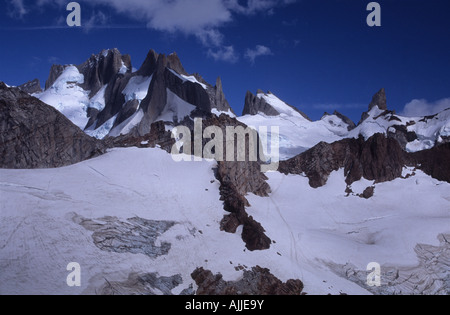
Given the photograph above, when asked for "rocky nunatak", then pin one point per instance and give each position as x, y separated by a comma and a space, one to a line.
257, 281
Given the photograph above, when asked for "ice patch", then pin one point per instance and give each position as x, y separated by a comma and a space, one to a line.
126, 126
176, 108
185, 78
216, 112
137, 88
98, 100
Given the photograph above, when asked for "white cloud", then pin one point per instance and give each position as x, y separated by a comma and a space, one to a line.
97, 19
202, 19
226, 54
259, 51
255, 6
419, 108
17, 8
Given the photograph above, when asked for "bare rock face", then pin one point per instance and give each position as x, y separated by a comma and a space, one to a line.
258, 281
31, 87
219, 100
379, 158
434, 162
35, 135
237, 179
380, 100
158, 136
254, 105
100, 69
55, 72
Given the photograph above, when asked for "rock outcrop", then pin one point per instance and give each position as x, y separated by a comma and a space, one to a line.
100, 69
345, 119
380, 100
255, 104
55, 72
434, 162
257, 281
237, 180
379, 158
35, 135
31, 87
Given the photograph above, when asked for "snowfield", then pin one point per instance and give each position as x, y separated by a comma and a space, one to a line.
67, 97
87, 213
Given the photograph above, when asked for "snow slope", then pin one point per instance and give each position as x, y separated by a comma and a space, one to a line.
185, 78
314, 229
137, 88
320, 229
67, 97
176, 109
297, 134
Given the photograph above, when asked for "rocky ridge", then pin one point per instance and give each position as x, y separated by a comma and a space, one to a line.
35, 135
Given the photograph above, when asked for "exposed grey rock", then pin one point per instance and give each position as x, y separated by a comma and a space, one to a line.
380, 100
149, 65
55, 72
127, 111
402, 135
379, 158
142, 284
35, 135
368, 192
158, 136
136, 235
100, 69
257, 281
31, 87
254, 105
219, 101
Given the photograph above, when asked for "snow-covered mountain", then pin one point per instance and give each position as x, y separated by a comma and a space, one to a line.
298, 133
103, 96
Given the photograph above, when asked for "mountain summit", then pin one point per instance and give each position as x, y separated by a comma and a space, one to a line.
104, 96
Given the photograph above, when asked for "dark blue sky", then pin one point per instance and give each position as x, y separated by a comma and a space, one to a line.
317, 55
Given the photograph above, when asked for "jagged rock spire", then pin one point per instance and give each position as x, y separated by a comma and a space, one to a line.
379, 99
